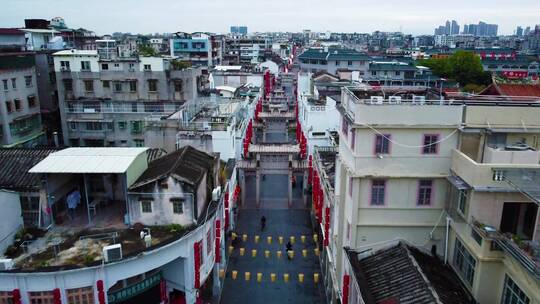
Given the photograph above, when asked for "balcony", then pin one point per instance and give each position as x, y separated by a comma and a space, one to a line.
483, 175
400, 112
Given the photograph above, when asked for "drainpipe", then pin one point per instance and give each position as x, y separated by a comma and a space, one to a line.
446, 240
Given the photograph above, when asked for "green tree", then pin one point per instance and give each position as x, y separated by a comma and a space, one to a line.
147, 51
464, 67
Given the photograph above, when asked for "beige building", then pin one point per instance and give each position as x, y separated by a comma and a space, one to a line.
445, 176
493, 204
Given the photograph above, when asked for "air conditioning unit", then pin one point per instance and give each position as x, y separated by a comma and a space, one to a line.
419, 99
6, 264
376, 100
216, 193
394, 99
112, 253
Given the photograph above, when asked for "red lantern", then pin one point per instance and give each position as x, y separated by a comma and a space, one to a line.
345, 290
197, 260
57, 298
326, 226
16, 295
310, 168
226, 227
101, 292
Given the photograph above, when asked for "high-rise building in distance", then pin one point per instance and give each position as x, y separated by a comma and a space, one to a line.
239, 29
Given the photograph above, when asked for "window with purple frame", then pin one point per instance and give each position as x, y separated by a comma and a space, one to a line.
378, 189
344, 127
431, 144
353, 139
425, 188
382, 144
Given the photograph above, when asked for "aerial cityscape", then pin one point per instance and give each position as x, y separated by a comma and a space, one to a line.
215, 160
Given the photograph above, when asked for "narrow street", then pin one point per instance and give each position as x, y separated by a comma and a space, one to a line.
284, 220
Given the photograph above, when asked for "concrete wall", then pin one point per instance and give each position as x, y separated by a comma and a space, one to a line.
21, 92
162, 207
10, 218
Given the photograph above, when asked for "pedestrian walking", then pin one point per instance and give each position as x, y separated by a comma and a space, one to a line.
263, 222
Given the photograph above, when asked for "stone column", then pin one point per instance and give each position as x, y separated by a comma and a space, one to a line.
242, 187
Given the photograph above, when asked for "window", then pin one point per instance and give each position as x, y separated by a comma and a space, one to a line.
353, 139
41, 297
28, 81
89, 85
14, 83
462, 201
398, 73
139, 142
5, 82
349, 63
106, 84
85, 65
9, 107
152, 85
382, 144
117, 86
147, 67
512, 294
84, 295
344, 127
73, 126
430, 144
373, 73
178, 205
337, 63
31, 101
424, 192
18, 105
116, 65
178, 86
464, 262
133, 85
94, 126
131, 67
146, 206
6, 297
209, 242
350, 186
136, 126
64, 66
110, 125
122, 125
498, 175
104, 66
378, 190
68, 85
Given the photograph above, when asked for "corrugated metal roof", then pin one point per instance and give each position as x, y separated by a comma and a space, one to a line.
15, 163
89, 160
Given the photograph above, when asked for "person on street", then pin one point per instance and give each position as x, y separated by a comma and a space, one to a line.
263, 222
288, 247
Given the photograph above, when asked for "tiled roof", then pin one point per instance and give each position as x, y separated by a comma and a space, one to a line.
334, 54
385, 66
186, 164
402, 274
518, 89
11, 31
15, 163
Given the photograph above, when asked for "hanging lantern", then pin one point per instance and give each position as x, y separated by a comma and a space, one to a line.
16, 296
57, 298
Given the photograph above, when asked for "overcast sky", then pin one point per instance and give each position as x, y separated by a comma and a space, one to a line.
151, 16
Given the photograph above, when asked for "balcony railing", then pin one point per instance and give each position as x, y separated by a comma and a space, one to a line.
527, 253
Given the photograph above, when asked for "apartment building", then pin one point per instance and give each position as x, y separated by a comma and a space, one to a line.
198, 48
104, 102
457, 178
20, 119
494, 233
246, 51
333, 59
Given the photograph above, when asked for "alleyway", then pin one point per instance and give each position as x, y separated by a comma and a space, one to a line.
282, 220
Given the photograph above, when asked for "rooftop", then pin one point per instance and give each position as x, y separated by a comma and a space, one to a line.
88, 160
15, 163
74, 52
11, 31
404, 274
333, 54
186, 164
